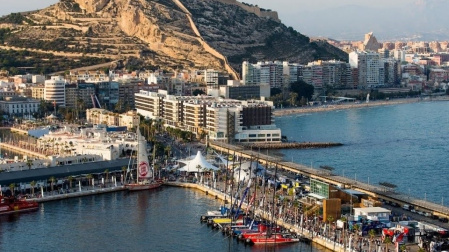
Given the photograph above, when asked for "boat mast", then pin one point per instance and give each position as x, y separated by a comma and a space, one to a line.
137, 154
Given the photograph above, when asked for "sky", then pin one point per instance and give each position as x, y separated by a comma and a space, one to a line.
337, 19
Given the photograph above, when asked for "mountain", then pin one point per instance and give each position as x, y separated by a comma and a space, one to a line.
170, 34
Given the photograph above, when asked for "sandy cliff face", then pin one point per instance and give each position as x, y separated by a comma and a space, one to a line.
191, 34
92, 5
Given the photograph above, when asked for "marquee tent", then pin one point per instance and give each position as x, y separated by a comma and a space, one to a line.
198, 160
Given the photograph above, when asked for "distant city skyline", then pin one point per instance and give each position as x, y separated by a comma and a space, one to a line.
341, 20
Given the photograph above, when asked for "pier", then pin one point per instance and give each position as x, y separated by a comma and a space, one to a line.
292, 145
330, 178
20, 149
78, 194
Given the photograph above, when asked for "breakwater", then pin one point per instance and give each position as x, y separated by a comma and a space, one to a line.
292, 145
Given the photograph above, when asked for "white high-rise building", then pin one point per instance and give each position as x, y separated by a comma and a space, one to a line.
268, 73
54, 90
250, 73
370, 69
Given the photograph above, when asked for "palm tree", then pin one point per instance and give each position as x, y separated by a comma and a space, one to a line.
12, 186
124, 168
330, 219
89, 177
199, 168
371, 234
29, 163
52, 181
387, 241
32, 184
70, 179
106, 172
403, 248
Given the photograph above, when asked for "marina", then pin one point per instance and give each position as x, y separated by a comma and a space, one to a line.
289, 220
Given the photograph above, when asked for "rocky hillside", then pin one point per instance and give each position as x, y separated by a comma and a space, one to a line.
161, 33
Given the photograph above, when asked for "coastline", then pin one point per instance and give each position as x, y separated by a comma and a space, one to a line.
332, 107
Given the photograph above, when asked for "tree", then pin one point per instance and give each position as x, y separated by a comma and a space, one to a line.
106, 172
29, 163
89, 177
275, 91
12, 186
32, 184
124, 168
197, 92
371, 234
302, 89
70, 178
387, 241
52, 182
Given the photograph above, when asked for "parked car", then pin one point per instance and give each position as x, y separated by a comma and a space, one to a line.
427, 214
413, 210
443, 219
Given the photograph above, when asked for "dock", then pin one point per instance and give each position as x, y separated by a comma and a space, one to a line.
78, 194
332, 179
306, 234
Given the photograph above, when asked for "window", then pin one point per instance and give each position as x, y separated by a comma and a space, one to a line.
252, 135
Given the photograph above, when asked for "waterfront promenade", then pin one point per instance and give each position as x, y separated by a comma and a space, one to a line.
328, 177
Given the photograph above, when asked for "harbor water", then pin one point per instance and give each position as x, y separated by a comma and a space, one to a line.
161, 220
406, 145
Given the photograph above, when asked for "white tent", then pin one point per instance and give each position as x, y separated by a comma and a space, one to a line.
198, 160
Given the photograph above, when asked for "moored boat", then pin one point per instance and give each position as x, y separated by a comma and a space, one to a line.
145, 176
10, 205
273, 239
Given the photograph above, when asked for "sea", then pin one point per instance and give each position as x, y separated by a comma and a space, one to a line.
405, 145
163, 220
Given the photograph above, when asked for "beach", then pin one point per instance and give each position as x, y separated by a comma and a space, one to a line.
351, 105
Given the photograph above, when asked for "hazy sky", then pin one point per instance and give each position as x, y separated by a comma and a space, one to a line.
339, 19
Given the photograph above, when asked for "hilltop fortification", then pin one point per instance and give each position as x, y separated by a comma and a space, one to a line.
170, 34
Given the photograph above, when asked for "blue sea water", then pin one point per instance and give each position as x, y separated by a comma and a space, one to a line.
162, 220
406, 144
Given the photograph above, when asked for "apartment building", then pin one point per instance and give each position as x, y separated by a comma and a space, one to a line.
55, 90
370, 70
221, 119
129, 119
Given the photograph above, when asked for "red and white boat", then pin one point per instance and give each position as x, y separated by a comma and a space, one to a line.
10, 205
273, 239
145, 178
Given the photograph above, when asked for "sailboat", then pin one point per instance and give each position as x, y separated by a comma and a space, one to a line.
145, 176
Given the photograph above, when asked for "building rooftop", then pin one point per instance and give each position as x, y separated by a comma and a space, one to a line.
373, 209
